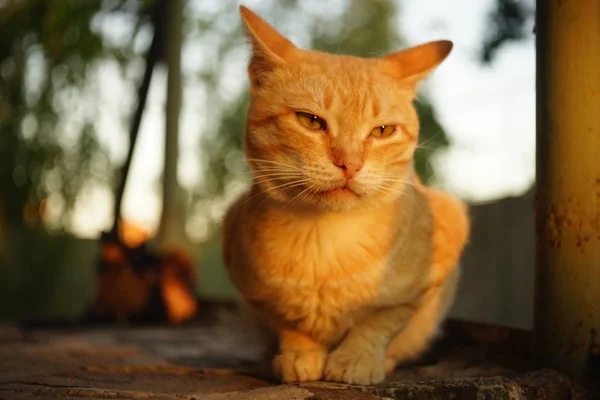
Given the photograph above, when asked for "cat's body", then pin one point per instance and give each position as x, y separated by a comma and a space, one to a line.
337, 248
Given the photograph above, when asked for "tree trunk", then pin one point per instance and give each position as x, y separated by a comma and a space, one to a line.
171, 226
568, 185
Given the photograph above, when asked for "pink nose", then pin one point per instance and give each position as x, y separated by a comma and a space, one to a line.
349, 160
349, 169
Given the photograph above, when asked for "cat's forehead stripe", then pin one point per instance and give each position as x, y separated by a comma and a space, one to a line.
327, 98
375, 107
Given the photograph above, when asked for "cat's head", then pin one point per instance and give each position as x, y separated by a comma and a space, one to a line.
332, 131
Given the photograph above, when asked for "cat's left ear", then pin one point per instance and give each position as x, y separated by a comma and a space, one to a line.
270, 49
414, 64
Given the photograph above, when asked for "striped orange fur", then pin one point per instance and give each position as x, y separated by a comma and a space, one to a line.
337, 248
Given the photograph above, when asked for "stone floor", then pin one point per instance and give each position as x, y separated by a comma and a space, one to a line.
213, 361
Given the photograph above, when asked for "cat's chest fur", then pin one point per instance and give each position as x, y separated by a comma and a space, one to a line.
320, 274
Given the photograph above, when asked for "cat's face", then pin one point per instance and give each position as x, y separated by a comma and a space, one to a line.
327, 131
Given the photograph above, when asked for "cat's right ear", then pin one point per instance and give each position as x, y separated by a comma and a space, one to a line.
414, 64
269, 48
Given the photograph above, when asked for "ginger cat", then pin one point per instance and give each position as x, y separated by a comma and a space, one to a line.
337, 248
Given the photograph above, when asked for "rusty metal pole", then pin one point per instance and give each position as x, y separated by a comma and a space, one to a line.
567, 318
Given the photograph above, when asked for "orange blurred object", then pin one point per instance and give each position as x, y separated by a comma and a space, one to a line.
176, 276
132, 235
137, 285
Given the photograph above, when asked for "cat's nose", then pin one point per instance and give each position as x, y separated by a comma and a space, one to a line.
349, 169
349, 160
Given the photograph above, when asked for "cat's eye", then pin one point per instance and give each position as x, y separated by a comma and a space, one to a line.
311, 121
382, 131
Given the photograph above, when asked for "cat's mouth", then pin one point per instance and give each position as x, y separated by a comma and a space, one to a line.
342, 191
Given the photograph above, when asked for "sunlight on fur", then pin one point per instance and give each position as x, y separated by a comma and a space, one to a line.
337, 249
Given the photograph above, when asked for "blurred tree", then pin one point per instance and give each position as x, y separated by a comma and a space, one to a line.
48, 145
170, 230
50, 53
507, 21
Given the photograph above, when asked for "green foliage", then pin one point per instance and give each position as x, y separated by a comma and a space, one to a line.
506, 23
49, 150
365, 29
48, 144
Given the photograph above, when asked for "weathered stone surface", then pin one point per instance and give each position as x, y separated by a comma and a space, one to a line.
268, 393
201, 363
465, 388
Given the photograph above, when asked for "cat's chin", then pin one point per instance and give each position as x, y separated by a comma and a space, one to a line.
339, 199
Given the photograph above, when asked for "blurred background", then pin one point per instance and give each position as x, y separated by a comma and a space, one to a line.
71, 75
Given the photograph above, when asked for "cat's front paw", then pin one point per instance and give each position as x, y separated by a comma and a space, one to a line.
299, 366
354, 368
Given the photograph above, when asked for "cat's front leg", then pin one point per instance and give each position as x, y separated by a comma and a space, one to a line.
300, 358
360, 357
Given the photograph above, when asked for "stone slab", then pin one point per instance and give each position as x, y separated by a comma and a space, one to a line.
217, 362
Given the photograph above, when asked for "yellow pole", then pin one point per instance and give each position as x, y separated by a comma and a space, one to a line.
567, 322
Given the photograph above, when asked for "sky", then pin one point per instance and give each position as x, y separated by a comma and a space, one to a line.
488, 112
